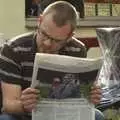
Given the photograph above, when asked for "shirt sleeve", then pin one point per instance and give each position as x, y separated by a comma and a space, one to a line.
74, 48
10, 68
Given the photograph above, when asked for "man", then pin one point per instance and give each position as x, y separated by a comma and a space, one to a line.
54, 36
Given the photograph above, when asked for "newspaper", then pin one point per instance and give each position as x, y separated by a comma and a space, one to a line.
64, 83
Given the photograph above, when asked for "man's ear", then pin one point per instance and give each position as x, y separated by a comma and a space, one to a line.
39, 20
73, 33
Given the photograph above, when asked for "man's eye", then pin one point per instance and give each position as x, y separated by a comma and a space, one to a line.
42, 33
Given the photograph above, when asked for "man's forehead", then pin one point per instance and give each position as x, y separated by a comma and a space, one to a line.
46, 20
48, 23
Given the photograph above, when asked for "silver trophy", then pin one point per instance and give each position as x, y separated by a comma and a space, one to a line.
109, 75
109, 41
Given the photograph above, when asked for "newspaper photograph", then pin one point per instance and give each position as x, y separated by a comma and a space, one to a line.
64, 83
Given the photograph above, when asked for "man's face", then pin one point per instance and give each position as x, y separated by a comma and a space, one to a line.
50, 38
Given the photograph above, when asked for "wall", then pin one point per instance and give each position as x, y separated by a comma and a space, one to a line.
85, 32
12, 21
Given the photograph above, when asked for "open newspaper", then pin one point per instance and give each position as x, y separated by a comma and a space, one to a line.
64, 83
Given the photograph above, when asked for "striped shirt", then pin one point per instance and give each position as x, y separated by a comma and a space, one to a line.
17, 58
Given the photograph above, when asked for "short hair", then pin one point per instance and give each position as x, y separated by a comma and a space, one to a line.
63, 13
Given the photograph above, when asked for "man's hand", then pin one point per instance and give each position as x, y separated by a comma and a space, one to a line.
29, 98
95, 94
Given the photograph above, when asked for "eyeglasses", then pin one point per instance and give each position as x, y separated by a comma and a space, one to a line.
45, 36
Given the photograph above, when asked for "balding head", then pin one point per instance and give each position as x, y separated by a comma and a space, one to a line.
63, 13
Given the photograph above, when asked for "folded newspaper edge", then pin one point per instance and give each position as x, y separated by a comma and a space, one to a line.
63, 63
66, 63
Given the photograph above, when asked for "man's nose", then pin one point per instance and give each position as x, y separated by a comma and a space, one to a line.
47, 42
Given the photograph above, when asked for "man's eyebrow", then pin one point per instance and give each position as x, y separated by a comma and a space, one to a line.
43, 31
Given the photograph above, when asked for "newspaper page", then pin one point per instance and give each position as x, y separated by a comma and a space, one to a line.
64, 83
109, 76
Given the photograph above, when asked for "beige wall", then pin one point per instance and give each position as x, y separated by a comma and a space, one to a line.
12, 21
